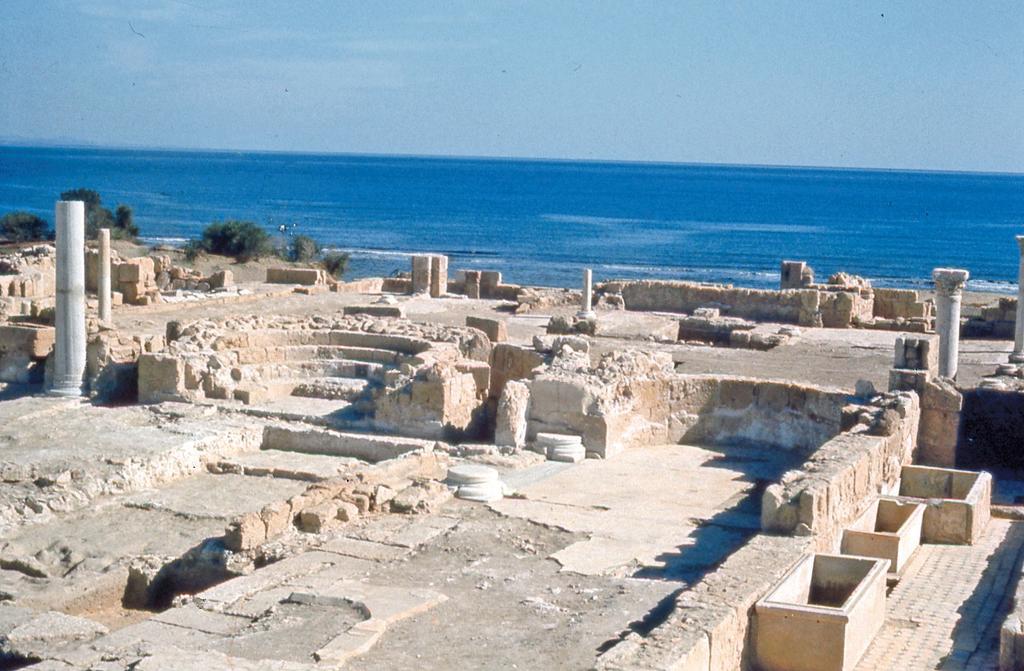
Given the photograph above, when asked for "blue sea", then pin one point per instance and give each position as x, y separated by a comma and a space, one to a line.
540, 222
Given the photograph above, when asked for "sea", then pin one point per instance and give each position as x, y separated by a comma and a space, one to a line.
540, 222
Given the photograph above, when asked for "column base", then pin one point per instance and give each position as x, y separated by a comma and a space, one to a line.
1017, 357
65, 393
586, 314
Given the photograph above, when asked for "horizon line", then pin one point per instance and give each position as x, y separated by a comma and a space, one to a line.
36, 143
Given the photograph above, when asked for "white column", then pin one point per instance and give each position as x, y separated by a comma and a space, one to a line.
586, 307
104, 276
949, 286
1018, 328
69, 347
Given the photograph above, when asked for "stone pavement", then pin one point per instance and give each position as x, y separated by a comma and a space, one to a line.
946, 611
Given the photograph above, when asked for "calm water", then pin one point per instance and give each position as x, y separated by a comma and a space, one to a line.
541, 221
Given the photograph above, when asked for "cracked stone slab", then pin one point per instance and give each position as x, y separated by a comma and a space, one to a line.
219, 497
364, 549
407, 532
287, 465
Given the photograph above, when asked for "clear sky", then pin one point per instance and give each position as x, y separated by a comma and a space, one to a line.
932, 85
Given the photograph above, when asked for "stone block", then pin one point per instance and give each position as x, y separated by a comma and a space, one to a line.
245, 533
141, 269
513, 409
421, 265
489, 281
438, 276
319, 517
221, 279
161, 378
472, 284
495, 329
393, 311
300, 276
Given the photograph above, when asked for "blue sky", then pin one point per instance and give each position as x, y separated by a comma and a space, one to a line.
931, 85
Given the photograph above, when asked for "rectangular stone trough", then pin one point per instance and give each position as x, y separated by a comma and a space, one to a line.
889, 529
957, 502
822, 615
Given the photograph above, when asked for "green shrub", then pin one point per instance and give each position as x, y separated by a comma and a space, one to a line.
96, 216
242, 240
124, 224
336, 263
192, 249
23, 227
302, 249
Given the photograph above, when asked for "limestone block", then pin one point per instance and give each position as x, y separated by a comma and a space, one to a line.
140, 270
221, 279
300, 276
133, 292
421, 264
319, 517
393, 311
495, 329
511, 421
161, 378
489, 281
438, 276
472, 284
245, 533
908, 380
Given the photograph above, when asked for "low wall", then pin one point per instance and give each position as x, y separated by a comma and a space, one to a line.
798, 306
842, 477
664, 407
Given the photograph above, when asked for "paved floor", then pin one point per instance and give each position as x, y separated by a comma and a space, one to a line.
947, 610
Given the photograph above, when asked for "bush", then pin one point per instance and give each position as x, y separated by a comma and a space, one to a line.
242, 240
23, 227
336, 263
96, 216
302, 249
124, 223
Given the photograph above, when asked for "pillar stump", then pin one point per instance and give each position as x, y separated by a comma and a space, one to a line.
69, 346
103, 288
1018, 327
586, 305
949, 286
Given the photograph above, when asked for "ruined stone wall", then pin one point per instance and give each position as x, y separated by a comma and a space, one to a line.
634, 398
28, 282
994, 321
902, 304
788, 307
421, 380
844, 475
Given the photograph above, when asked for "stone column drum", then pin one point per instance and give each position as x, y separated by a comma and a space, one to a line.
949, 286
69, 346
103, 288
586, 307
1018, 327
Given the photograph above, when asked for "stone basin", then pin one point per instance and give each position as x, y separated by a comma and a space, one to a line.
888, 529
957, 502
822, 615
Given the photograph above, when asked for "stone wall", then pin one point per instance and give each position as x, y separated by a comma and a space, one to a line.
23, 351
420, 380
635, 398
995, 321
844, 475
787, 307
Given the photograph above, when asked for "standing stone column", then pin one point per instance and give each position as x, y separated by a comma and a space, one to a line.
1018, 327
949, 286
586, 308
104, 276
69, 346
